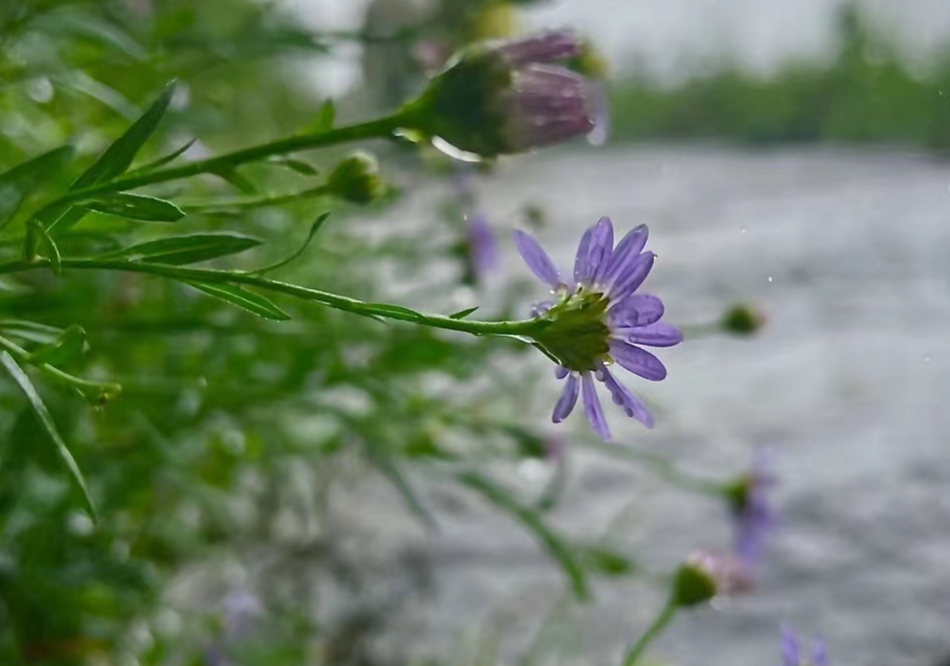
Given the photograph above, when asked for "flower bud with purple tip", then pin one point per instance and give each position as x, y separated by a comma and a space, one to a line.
505, 97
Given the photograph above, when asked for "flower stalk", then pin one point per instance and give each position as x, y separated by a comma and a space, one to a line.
525, 330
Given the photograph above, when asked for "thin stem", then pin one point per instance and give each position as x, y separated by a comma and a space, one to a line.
82, 385
379, 128
521, 329
659, 624
258, 202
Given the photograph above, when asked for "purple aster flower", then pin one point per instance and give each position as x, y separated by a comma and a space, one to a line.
505, 97
792, 653
597, 319
753, 515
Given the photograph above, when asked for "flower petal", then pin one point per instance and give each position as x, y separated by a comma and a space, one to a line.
638, 361
633, 406
653, 335
537, 259
628, 249
560, 372
565, 404
791, 653
819, 653
632, 276
601, 247
541, 47
582, 260
592, 408
636, 310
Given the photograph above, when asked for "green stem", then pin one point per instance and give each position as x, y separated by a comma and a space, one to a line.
82, 385
659, 624
373, 129
524, 328
258, 202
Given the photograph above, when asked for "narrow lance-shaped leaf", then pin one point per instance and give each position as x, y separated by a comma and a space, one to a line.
190, 249
556, 546
246, 300
166, 159
137, 207
232, 176
323, 122
314, 228
66, 347
36, 402
299, 166
116, 159
20, 181
462, 314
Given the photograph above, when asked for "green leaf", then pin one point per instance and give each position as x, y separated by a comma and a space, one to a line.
162, 161
116, 159
136, 207
30, 330
23, 380
246, 300
299, 166
51, 250
237, 180
37, 235
607, 562
314, 228
393, 312
323, 122
20, 181
556, 546
462, 314
66, 347
190, 249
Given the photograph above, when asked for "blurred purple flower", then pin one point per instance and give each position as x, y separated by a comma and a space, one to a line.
598, 319
792, 654
482, 245
753, 515
506, 97
241, 611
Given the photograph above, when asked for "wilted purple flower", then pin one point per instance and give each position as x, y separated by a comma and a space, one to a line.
505, 97
753, 515
598, 319
710, 575
792, 654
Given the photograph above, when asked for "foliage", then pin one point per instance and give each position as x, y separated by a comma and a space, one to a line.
866, 94
160, 413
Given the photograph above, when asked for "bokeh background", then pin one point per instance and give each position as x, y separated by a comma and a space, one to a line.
297, 493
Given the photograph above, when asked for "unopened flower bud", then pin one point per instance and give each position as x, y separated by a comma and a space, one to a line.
505, 97
742, 320
356, 179
705, 576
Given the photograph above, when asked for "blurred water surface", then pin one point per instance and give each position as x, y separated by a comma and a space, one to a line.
846, 252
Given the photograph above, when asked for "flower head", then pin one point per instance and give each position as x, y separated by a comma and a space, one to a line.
597, 319
505, 96
792, 653
752, 512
